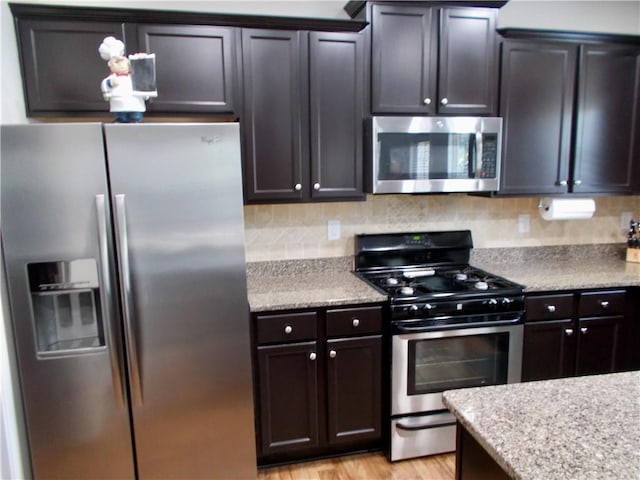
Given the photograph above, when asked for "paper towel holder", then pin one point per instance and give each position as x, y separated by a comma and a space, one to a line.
566, 208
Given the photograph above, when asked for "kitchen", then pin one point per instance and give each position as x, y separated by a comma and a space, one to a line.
299, 231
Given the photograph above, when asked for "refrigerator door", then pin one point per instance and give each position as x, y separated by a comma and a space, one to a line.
56, 243
177, 199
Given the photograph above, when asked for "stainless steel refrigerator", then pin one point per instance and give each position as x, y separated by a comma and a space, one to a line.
124, 254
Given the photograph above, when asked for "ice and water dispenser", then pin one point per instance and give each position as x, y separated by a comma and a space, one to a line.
66, 306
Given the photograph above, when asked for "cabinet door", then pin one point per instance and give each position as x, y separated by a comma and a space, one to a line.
354, 373
549, 350
608, 110
288, 383
195, 67
404, 59
276, 120
537, 81
336, 82
598, 341
467, 74
62, 68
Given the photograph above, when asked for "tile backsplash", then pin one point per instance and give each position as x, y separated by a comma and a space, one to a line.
296, 231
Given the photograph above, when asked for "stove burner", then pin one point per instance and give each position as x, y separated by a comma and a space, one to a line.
481, 285
406, 290
461, 276
392, 281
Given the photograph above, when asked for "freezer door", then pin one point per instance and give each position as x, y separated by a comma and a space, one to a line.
56, 242
177, 196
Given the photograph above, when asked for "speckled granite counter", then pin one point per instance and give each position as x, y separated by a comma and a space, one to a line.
306, 284
572, 428
570, 267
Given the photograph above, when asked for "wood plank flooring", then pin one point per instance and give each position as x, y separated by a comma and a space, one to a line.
367, 466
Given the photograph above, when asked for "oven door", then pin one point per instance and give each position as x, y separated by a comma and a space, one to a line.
425, 364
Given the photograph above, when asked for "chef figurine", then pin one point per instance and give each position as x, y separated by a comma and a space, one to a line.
127, 105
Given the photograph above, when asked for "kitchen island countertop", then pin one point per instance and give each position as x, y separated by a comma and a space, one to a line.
571, 428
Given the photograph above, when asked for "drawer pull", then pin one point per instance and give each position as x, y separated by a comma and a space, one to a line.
332, 354
604, 303
355, 322
288, 329
584, 330
551, 308
312, 356
568, 332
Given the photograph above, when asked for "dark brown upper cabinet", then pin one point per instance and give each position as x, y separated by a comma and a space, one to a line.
303, 114
61, 67
196, 68
571, 113
432, 60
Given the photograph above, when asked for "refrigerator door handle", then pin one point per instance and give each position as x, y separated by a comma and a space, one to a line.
105, 301
127, 299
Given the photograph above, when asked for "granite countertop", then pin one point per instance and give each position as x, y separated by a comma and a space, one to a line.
571, 428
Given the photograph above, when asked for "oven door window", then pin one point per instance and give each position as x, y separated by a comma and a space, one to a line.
447, 363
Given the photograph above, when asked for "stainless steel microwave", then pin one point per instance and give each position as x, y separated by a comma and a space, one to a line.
433, 154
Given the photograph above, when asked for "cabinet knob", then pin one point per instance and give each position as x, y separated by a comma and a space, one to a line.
332, 354
444, 101
316, 186
604, 303
551, 308
298, 187
568, 331
288, 329
427, 101
577, 182
584, 330
563, 183
312, 356
355, 322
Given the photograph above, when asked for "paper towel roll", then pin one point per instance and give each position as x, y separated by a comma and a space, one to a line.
567, 208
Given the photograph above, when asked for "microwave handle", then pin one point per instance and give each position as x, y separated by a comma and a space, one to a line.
478, 162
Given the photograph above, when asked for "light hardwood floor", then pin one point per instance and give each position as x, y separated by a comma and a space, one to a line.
367, 466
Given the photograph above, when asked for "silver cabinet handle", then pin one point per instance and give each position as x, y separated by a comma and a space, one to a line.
106, 299
127, 299
584, 330
312, 356
355, 322
427, 101
604, 303
444, 101
288, 329
332, 354
316, 186
551, 308
298, 187
568, 331
563, 183
577, 182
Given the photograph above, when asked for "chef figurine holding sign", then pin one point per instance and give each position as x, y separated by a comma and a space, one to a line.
127, 105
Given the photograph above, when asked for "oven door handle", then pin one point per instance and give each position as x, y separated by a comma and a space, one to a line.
424, 426
421, 328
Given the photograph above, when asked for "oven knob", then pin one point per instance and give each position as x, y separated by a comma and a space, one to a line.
506, 301
492, 302
428, 307
413, 309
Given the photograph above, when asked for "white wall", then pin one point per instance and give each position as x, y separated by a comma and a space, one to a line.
599, 16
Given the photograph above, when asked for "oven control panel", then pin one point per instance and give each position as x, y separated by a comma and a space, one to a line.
458, 308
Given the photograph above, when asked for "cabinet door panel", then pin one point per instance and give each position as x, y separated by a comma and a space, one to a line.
195, 67
275, 122
607, 119
336, 80
62, 67
354, 373
536, 103
598, 345
404, 59
288, 383
549, 350
468, 64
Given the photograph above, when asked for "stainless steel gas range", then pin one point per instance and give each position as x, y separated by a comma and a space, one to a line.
452, 326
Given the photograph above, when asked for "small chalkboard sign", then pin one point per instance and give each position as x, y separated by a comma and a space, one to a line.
143, 74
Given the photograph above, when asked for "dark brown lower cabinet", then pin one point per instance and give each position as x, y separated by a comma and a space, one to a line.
580, 333
318, 382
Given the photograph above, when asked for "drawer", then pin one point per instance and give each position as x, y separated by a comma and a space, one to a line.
549, 307
598, 304
354, 321
287, 327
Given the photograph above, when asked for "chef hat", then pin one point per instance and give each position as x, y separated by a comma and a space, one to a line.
111, 47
